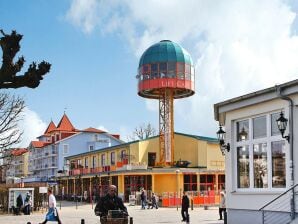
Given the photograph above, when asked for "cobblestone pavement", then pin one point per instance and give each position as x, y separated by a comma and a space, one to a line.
71, 215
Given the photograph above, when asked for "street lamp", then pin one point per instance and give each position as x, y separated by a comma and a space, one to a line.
221, 138
282, 123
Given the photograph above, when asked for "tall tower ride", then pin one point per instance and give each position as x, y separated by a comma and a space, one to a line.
166, 72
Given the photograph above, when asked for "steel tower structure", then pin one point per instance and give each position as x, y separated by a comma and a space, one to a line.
166, 72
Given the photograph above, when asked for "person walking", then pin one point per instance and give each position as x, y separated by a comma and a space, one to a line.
52, 214
184, 208
110, 202
143, 200
222, 204
154, 201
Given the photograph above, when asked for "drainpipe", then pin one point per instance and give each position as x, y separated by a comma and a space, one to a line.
291, 135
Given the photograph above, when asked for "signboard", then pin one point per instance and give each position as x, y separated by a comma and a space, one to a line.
15, 192
43, 190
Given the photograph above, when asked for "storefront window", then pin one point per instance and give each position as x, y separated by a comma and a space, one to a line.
260, 166
190, 182
278, 164
243, 166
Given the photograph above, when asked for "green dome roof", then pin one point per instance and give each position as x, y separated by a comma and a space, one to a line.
165, 51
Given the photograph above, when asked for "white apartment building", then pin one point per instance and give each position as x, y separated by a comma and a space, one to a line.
46, 156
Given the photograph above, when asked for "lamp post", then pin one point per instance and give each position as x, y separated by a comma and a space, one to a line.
177, 187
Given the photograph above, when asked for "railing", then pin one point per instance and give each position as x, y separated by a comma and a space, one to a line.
282, 209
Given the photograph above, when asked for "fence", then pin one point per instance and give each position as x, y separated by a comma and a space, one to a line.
206, 198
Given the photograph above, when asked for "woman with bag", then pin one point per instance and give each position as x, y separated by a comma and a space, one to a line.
52, 214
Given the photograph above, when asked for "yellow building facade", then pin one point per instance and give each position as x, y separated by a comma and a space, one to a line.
198, 167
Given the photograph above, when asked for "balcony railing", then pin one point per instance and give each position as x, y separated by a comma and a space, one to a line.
96, 170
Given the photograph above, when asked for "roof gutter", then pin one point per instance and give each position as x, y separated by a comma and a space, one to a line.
291, 136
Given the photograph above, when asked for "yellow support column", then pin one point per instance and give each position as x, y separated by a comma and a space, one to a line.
153, 182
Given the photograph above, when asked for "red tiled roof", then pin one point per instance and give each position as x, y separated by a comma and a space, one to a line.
38, 144
65, 124
93, 130
116, 136
50, 128
18, 152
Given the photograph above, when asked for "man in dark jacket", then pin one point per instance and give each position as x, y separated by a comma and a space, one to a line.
184, 209
110, 202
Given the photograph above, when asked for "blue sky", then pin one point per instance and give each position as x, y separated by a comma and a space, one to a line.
94, 47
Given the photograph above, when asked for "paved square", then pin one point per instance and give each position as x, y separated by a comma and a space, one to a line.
70, 215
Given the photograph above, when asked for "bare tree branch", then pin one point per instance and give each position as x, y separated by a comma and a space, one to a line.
10, 45
143, 131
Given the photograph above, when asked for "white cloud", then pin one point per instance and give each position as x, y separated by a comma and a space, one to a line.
237, 46
101, 127
32, 127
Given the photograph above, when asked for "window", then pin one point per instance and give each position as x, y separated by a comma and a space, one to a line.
259, 127
274, 128
112, 158
180, 70
207, 182
154, 71
163, 69
261, 156
190, 182
91, 147
243, 166
93, 161
260, 166
79, 162
65, 149
103, 160
278, 164
171, 69
86, 162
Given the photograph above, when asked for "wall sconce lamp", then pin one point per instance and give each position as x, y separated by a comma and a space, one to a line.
221, 138
282, 125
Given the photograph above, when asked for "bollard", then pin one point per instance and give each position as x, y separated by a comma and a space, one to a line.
130, 220
191, 204
82, 221
76, 203
225, 217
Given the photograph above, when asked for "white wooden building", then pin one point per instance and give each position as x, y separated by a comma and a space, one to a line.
260, 178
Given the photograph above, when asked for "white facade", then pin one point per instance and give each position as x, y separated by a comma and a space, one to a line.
258, 169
